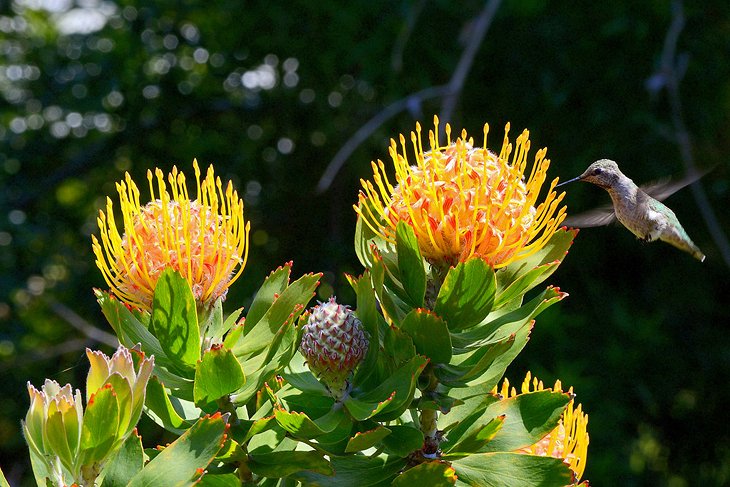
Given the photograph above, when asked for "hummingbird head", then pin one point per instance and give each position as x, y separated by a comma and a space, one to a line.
603, 173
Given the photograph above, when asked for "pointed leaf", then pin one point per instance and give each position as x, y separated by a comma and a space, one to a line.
501, 323
279, 464
362, 410
519, 277
175, 319
300, 425
366, 439
528, 418
475, 440
512, 470
125, 463
182, 462
160, 409
397, 390
216, 375
129, 329
355, 470
367, 312
555, 250
290, 303
430, 335
100, 426
410, 263
403, 440
432, 474
273, 285
467, 295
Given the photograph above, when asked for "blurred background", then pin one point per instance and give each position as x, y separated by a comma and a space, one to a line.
292, 100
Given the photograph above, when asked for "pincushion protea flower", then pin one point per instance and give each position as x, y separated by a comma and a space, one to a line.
205, 239
464, 201
569, 440
334, 344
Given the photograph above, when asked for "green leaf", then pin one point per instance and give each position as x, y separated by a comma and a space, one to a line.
125, 463
216, 375
180, 463
273, 285
100, 426
393, 306
290, 303
528, 418
301, 426
403, 440
3, 480
467, 294
512, 470
362, 410
175, 320
366, 439
555, 250
514, 280
397, 390
431, 474
279, 464
129, 328
355, 470
475, 440
430, 335
502, 323
410, 264
365, 238
487, 364
367, 312
219, 480
160, 409
471, 368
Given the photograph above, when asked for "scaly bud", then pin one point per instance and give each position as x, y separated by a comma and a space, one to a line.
334, 344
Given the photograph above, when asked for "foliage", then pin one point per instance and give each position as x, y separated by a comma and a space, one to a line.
161, 82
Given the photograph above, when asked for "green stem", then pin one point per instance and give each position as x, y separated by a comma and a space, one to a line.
428, 418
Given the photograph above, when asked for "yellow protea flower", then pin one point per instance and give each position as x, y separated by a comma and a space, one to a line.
569, 440
205, 239
464, 201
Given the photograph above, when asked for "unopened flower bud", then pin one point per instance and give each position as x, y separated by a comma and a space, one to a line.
334, 344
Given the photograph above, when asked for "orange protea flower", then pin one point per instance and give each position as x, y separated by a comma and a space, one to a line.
464, 201
569, 440
205, 239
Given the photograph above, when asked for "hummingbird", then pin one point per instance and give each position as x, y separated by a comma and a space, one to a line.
637, 208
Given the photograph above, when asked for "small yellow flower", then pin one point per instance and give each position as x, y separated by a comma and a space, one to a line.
569, 440
205, 239
464, 201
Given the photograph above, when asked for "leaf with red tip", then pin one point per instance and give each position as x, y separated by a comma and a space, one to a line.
179, 463
432, 474
366, 439
430, 335
218, 373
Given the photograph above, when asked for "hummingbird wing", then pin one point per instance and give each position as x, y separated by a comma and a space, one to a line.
665, 187
603, 215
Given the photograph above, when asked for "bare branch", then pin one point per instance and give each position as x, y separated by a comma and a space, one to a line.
82, 325
371, 126
456, 84
670, 69
450, 92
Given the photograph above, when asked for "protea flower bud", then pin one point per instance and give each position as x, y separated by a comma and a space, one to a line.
334, 344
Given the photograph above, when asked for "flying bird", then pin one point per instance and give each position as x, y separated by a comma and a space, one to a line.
639, 209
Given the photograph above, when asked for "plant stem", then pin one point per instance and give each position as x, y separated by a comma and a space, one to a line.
429, 417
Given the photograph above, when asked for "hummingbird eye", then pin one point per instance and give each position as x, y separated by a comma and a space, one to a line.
598, 171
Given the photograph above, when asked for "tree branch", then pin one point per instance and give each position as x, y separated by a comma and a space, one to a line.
669, 71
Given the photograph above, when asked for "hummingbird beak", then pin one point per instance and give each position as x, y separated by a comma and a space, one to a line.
568, 181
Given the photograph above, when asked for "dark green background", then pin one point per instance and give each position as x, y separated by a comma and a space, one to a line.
643, 335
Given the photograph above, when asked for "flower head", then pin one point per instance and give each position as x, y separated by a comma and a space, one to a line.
205, 240
569, 440
464, 201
